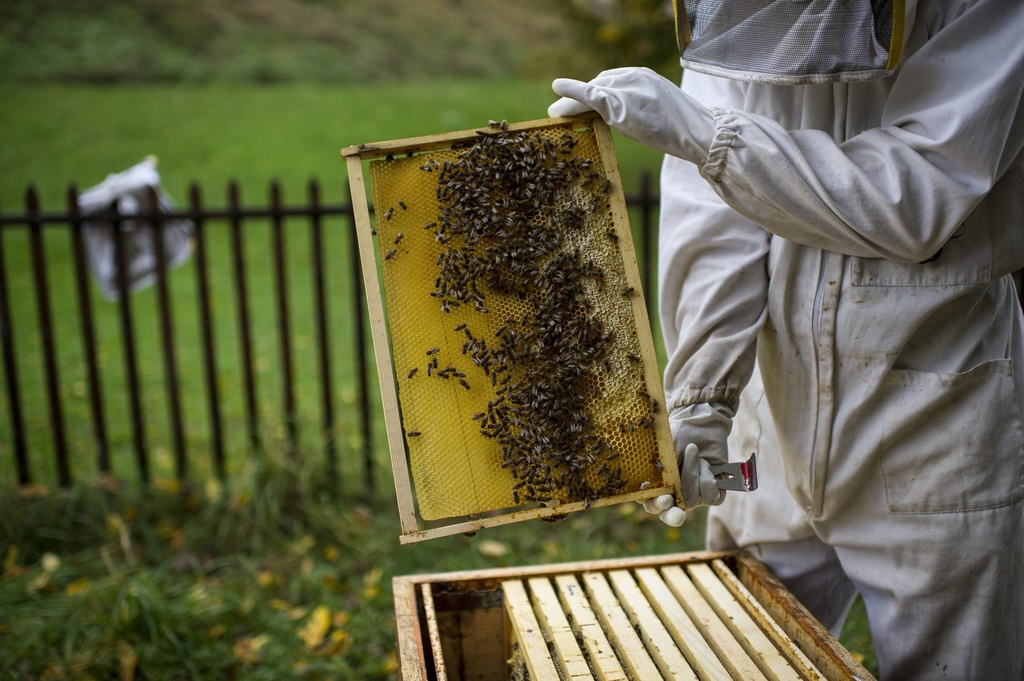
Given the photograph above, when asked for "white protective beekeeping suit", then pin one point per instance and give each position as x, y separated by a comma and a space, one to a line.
858, 237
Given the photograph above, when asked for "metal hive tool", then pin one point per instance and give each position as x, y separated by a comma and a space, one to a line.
516, 360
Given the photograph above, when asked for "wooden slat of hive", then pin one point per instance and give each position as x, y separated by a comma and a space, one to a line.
771, 628
381, 347
411, 659
817, 642
729, 651
684, 631
527, 632
603, 660
558, 630
432, 631
656, 638
620, 631
760, 648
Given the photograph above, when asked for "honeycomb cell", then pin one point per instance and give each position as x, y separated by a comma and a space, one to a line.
512, 328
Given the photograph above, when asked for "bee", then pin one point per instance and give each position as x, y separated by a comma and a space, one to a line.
414, 433
433, 351
412, 372
611, 234
398, 238
389, 213
463, 383
401, 204
390, 254
628, 291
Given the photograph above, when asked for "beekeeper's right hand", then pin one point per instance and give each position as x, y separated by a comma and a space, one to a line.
644, 106
700, 433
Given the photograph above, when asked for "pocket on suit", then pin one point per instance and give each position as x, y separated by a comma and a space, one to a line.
952, 442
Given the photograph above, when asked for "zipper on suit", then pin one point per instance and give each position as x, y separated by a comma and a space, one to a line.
823, 327
819, 294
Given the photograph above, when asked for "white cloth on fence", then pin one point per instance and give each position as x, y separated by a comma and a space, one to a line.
128, 192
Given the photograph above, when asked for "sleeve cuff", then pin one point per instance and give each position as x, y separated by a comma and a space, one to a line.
726, 133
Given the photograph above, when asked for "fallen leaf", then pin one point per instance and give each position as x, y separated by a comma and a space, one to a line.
267, 579
38, 583
53, 673
168, 485
337, 643
247, 648
114, 524
76, 587
127, 661
50, 562
279, 604
316, 627
491, 548
11, 567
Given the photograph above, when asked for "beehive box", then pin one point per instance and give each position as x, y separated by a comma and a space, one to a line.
515, 357
683, 616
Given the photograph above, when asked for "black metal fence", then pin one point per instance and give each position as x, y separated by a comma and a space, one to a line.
261, 346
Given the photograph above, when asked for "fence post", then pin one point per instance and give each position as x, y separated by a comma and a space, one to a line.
11, 371
283, 326
128, 339
46, 335
320, 301
206, 324
242, 306
167, 337
88, 331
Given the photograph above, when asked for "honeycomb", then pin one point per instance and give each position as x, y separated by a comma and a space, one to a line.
514, 344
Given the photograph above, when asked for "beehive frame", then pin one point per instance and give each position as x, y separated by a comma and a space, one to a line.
418, 183
703, 614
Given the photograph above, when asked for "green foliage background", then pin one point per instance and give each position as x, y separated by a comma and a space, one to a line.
328, 41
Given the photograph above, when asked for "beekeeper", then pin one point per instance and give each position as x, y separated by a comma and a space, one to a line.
843, 197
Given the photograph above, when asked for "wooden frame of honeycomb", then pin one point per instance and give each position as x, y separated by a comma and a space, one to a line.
516, 361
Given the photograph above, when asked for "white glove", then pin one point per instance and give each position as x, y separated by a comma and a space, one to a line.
700, 433
643, 106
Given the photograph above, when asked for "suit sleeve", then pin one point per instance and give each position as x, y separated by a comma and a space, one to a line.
951, 128
713, 280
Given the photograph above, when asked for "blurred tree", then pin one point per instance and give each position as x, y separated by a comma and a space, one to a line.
613, 33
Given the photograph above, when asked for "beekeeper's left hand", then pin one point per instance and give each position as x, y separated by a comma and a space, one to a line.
643, 106
700, 433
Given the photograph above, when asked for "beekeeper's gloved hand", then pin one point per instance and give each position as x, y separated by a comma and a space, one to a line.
700, 433
643, 106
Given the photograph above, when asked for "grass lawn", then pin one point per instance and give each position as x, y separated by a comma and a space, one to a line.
265, 576
54, 136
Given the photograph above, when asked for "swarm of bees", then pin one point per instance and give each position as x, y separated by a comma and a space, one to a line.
509, 204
